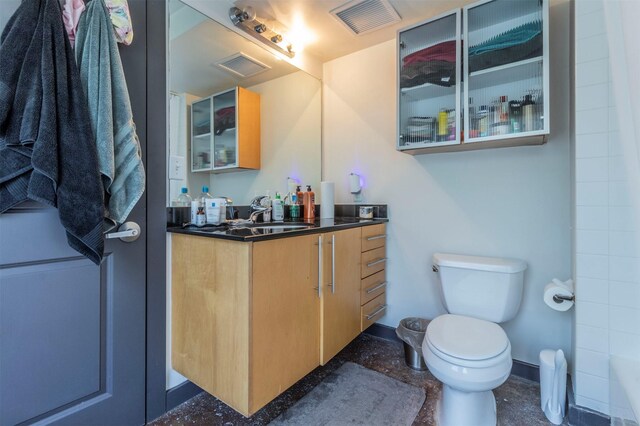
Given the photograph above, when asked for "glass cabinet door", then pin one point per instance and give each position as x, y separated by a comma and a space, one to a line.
201, 135
224, 128
429, 83
505, 69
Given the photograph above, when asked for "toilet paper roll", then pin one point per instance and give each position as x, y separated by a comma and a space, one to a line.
561, 289
327, 206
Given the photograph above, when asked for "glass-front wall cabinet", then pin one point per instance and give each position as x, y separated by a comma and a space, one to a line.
505, 61
201, 135
480, 74
429, 83
226, 132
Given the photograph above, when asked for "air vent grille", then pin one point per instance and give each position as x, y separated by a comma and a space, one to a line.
242, 65
364, 16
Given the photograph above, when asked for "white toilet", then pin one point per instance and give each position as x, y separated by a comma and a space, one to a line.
465, 349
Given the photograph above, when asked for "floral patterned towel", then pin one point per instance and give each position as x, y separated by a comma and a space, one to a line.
121, 20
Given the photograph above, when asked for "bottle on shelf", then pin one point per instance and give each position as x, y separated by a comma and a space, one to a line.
278, 208
515, 114
184, 199
309, 204
443, 124
483, 121
528, 114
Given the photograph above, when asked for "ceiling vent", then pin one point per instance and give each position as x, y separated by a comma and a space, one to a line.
364, 16
242, 65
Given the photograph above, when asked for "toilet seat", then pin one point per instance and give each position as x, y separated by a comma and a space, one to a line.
467, 342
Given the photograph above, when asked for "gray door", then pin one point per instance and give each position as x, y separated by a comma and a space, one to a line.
72, 334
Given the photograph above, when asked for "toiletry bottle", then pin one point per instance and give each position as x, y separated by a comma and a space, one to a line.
443, 121
278, 208
294, 210
201, 218
515, 113
528, 108
483, 121
299, 195
183, 200
201, 200
309, 204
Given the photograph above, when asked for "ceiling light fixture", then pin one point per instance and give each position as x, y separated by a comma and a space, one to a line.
248, 21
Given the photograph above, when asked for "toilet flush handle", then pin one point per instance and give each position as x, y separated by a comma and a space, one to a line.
434, 268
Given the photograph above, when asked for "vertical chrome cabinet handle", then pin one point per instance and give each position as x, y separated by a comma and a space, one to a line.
333, 263
319, 265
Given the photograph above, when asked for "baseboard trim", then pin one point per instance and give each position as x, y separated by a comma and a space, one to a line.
583, 416
181, 393
519, 368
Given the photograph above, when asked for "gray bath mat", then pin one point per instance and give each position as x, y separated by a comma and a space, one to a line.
354, 395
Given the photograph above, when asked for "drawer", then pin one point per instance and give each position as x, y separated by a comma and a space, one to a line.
372, 287
372, 261
373, 237
373, 311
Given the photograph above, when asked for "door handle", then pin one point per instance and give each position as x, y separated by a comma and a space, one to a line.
127, 232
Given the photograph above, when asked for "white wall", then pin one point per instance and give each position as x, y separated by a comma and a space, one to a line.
290, 126
607, 272
512, 202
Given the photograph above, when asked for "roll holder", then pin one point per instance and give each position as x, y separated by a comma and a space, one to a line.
558, 298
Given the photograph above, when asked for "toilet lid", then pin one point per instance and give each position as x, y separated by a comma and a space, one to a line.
467, 338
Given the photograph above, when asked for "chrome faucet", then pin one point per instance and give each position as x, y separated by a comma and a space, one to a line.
256, 208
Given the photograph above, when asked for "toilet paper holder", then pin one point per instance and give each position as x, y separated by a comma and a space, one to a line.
559, 298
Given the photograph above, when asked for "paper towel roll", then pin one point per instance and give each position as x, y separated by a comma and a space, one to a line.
327, 206
561, 289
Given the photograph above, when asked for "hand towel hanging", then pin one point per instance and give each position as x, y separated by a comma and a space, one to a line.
119, 154
71, 15
47, 150
121, 20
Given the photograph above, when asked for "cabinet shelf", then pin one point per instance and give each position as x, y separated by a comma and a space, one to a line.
428, 91
509, 73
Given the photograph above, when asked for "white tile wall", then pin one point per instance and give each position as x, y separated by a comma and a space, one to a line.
607, 265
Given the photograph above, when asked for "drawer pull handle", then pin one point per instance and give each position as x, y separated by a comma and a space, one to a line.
377, 311
375, 262
376, 237
371, 290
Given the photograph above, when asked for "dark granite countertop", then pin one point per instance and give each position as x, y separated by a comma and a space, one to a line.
273, 230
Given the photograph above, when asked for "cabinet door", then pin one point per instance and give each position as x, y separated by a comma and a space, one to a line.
506, 69
340, 320
201, 135
429, 83
225, 130
284, 316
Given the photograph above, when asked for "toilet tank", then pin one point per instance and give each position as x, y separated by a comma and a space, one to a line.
488, 288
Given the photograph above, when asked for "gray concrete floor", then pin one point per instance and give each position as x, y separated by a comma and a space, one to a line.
518, 400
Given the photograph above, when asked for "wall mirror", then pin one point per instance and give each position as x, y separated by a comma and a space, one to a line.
290, 111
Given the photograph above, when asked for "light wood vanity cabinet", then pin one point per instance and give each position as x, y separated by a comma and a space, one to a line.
372, 268
249, 319
340, 301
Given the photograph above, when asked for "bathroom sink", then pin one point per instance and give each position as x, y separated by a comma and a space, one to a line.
277, 227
